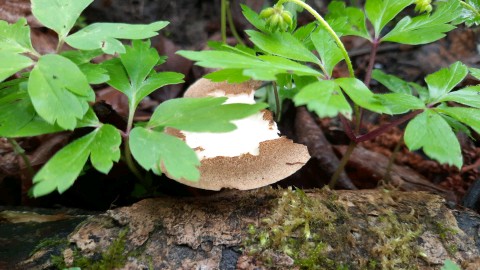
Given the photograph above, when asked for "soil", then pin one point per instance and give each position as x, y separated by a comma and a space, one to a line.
193, 23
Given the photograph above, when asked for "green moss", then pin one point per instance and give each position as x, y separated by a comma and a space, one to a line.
320, 233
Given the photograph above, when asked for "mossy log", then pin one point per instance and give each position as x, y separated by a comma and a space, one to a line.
272, 229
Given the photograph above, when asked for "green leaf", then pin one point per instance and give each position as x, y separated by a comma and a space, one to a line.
393, 83
59, 15
470, 14
80, 57
468, 116
59, 91
449, 265
106, 36
158, 151
253, 18
431, 132
457, 126
229, 75
324, 98
134, 75
399, 103
361, 95
282, 44
11, 63
60, 172
380, 12
425, 28
467, 96
264, 67
475, 72
15, 37
347, 21
207, 114
444, 80
94, 73
328, 50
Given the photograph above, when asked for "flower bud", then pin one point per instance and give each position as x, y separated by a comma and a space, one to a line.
423, 6
277, 18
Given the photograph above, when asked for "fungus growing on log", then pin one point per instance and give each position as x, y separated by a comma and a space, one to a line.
251, 156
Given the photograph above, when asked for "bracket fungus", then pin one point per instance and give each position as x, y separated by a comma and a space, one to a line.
251, 156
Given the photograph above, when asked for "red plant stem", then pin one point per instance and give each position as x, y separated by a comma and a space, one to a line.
372, 134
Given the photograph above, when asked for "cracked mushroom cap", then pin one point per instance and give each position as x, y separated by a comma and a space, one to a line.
252, 156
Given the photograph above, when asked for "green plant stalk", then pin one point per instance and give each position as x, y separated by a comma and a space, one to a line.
343, 163
232, 25
223, 20
21, 152
277, 102
329, 29
388, 177
128, 153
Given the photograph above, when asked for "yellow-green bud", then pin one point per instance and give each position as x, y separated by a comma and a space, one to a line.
267, 13
423, 6
277, 18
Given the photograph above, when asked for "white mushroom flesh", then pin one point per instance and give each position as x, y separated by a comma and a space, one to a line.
244, 140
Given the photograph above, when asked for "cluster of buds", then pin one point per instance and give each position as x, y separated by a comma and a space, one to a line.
277, 18
423, 6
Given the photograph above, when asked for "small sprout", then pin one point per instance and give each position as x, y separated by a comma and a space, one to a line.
423, 6
277, 18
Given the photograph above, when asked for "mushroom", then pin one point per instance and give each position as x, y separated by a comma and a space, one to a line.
249, 157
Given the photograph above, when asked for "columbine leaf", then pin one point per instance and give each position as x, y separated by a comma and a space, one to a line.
95, 74
207, 114
468, 116
393, 83
444, 80
457, 126
11, 63
59, 91
282, 44
105, 35
164, 152
324, 98
361, 95
347, 20
328, 50
65, 166
133, 73
254, 18
229, 75
467, 96
425, 28
431, 132
15, 37
399, 103
475, 72
59, 15
264, 67
380, 12
80, 57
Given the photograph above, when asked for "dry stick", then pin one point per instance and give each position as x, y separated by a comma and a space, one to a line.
310, 134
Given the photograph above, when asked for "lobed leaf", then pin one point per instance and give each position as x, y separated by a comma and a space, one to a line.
348, 21
59, 91
391, 82
469, 96
11, 63
253, 18
207, 114
165, 152
425, 28
59, 15
361, 95
282, 44
430, 132
380, 12
324, 98
230, 75
470, 14
60, 172
105, 36
444, 80
468, 116
399, 103
15, 37
330, 53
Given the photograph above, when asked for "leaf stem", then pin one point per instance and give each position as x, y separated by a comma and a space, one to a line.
329, 29
277, 102
223, 20
343, 163
21, 152
232, 24
468, 6
59, 45
128, 153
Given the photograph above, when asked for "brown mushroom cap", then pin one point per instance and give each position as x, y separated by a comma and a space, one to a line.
278, 159
204, 87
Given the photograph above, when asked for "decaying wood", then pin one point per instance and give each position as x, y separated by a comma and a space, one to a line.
310, 134
396, 230
403, 178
